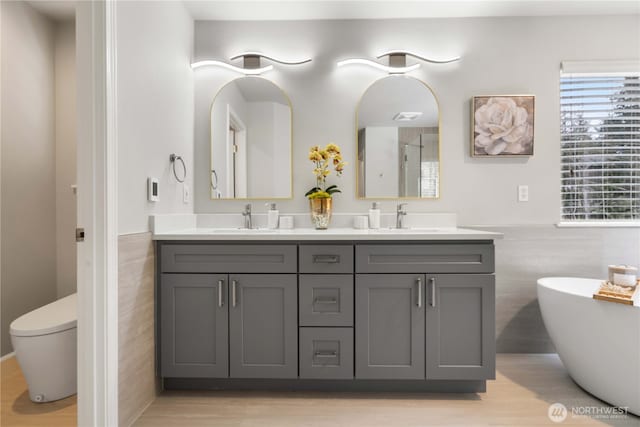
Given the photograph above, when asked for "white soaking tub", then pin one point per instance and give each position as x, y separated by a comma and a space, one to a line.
597, 341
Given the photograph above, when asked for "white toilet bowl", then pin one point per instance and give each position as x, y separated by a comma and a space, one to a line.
45, 344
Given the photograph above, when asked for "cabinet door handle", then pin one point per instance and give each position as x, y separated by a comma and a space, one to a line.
321, 300
233, 293
326, 259
419, 302
220, 285
326, 354
433, 291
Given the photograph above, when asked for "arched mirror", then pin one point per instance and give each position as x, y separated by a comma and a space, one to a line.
251, 141
398, 140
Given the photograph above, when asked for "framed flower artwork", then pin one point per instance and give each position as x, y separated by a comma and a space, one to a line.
502, 125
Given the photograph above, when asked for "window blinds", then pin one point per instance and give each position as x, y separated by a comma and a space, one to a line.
600, 140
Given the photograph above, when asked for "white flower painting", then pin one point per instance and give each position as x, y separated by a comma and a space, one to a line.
503, 125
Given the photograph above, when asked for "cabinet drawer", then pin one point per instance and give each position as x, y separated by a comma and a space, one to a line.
326, 259
326, 300
229, 258
326, 353
421, 258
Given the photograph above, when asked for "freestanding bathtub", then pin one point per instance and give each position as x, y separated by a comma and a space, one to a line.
597, 341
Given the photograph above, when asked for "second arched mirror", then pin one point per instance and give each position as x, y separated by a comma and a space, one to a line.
398, 140
251, 141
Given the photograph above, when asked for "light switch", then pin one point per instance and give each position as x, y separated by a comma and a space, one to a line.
152, 189
523, 193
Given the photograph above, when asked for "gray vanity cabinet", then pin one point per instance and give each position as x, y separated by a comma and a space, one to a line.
420, 314
390, 326
263, 330
460, 325
194, 332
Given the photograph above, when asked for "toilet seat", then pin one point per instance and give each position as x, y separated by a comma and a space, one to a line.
58, 316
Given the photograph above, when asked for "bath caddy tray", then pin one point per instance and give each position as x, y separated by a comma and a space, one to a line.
617, 294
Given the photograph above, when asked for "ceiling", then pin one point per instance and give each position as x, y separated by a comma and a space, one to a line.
268, 10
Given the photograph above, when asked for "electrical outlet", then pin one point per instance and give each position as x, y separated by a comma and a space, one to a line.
186, 194
523, 193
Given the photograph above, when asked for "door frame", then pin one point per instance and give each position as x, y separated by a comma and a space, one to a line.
97, 214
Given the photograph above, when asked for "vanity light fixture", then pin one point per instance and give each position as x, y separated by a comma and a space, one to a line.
397, 61
251, 63
404, 53
245, 71
381, 67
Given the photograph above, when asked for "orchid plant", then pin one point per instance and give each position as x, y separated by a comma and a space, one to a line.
324, 159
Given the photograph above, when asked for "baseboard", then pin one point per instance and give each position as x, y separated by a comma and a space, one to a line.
7, 356
432, 386
144, 408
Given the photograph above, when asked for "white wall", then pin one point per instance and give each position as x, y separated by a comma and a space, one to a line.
28, 265
281, 186
499, 56
155, 108
65, 157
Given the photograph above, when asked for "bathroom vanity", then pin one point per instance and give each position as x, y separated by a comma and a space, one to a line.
336, 309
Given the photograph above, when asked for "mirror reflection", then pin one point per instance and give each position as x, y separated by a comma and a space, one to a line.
398, 140
251, 141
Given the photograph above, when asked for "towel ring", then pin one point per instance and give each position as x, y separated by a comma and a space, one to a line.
173, 158
214, 175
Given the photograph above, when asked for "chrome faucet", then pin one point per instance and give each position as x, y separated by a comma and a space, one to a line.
247, 216
400, 213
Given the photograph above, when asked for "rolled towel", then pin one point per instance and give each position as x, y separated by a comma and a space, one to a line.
623, 275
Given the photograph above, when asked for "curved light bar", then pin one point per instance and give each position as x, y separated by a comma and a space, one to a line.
245, 71
270, 58
386, 68
421, 57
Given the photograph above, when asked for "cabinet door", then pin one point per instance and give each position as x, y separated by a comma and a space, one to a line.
194, 324
390, 322
460, 327
263, 326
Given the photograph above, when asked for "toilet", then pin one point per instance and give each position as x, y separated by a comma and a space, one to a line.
45, 344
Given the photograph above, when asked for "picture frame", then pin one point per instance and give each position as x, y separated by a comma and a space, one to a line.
502, 125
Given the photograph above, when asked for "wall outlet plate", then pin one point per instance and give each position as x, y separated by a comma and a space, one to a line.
153, 189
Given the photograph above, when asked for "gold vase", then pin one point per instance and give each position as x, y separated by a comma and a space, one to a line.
320, 213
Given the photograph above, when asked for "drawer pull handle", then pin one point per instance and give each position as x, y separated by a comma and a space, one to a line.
419, 302
321, 300
433, 291
326, 354
326, 259
220, 285
234, 301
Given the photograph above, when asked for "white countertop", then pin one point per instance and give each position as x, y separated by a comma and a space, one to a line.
262, 234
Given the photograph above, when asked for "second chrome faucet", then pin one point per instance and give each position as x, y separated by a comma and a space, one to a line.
400, 214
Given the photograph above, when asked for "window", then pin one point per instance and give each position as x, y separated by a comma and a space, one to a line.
600, 141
